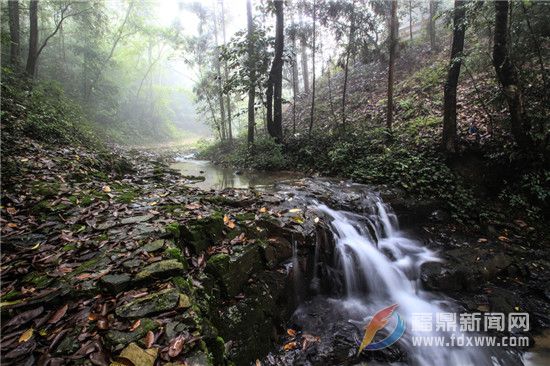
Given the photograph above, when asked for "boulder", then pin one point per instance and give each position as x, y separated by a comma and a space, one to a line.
276, 250
199, 234
233, 270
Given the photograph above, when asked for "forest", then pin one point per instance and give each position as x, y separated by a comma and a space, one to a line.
275, 182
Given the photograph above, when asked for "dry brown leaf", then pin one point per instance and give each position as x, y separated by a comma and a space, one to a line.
58, 314
149, 339
176, 346
290, 346
135, 325
26, 335
291, 332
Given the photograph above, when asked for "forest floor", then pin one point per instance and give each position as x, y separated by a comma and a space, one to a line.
116, 258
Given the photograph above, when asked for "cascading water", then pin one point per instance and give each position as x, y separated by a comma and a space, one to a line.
380, 266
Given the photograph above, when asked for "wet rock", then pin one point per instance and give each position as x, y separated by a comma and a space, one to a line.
160, 270
503, 301
136, 219
174, 328
276, 250
198, 235
117, 338
138, 356
198, 359
154, 303
116, 282
132, 263
153, 246
495, 265
338, 346
233, 270
440, 216
249, 329
250, 323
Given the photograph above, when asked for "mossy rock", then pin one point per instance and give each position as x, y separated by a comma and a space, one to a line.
154, 303
161, 269
232, 271
116, 282
199, 234
117, 338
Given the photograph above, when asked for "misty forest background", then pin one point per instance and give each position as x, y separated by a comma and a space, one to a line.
442, 99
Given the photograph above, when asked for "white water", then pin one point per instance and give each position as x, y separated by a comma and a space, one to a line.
382, 267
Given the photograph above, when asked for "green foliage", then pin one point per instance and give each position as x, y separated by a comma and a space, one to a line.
530, 195
264, 154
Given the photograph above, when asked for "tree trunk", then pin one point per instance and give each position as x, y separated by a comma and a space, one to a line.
431, 26
508, 78
449, 98
15, 42
346, 66
303, 46
411, 20
295, 85
391, 66
278, 73
252, 70
312, 112
220, 80
33, 39
226, 76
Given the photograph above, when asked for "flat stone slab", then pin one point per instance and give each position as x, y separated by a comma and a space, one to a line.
154, 303
161, 269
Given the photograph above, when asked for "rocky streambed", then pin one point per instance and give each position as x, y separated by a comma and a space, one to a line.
104, 263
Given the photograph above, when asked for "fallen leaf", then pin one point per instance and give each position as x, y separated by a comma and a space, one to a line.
135, 325
176, 346
26, 335
24, 317
290, 346
149, 339
291, 332
106, 189
263, 209
58, 314
292, 210
503, 238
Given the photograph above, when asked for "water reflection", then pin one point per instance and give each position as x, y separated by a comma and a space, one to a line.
218, 177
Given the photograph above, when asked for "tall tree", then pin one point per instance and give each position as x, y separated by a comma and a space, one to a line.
392, 44
303, 56
34, 50
275, 81
507, 76
226, 77
346, 63
449, 95
219, 79
33, 38
312, 111
431, 25
252, 73
411, 20
15, 42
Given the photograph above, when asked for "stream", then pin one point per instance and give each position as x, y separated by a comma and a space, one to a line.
373, 265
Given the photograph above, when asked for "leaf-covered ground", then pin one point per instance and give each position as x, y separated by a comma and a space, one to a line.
93, 265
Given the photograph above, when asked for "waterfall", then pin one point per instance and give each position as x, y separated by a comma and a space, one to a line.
380, 266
